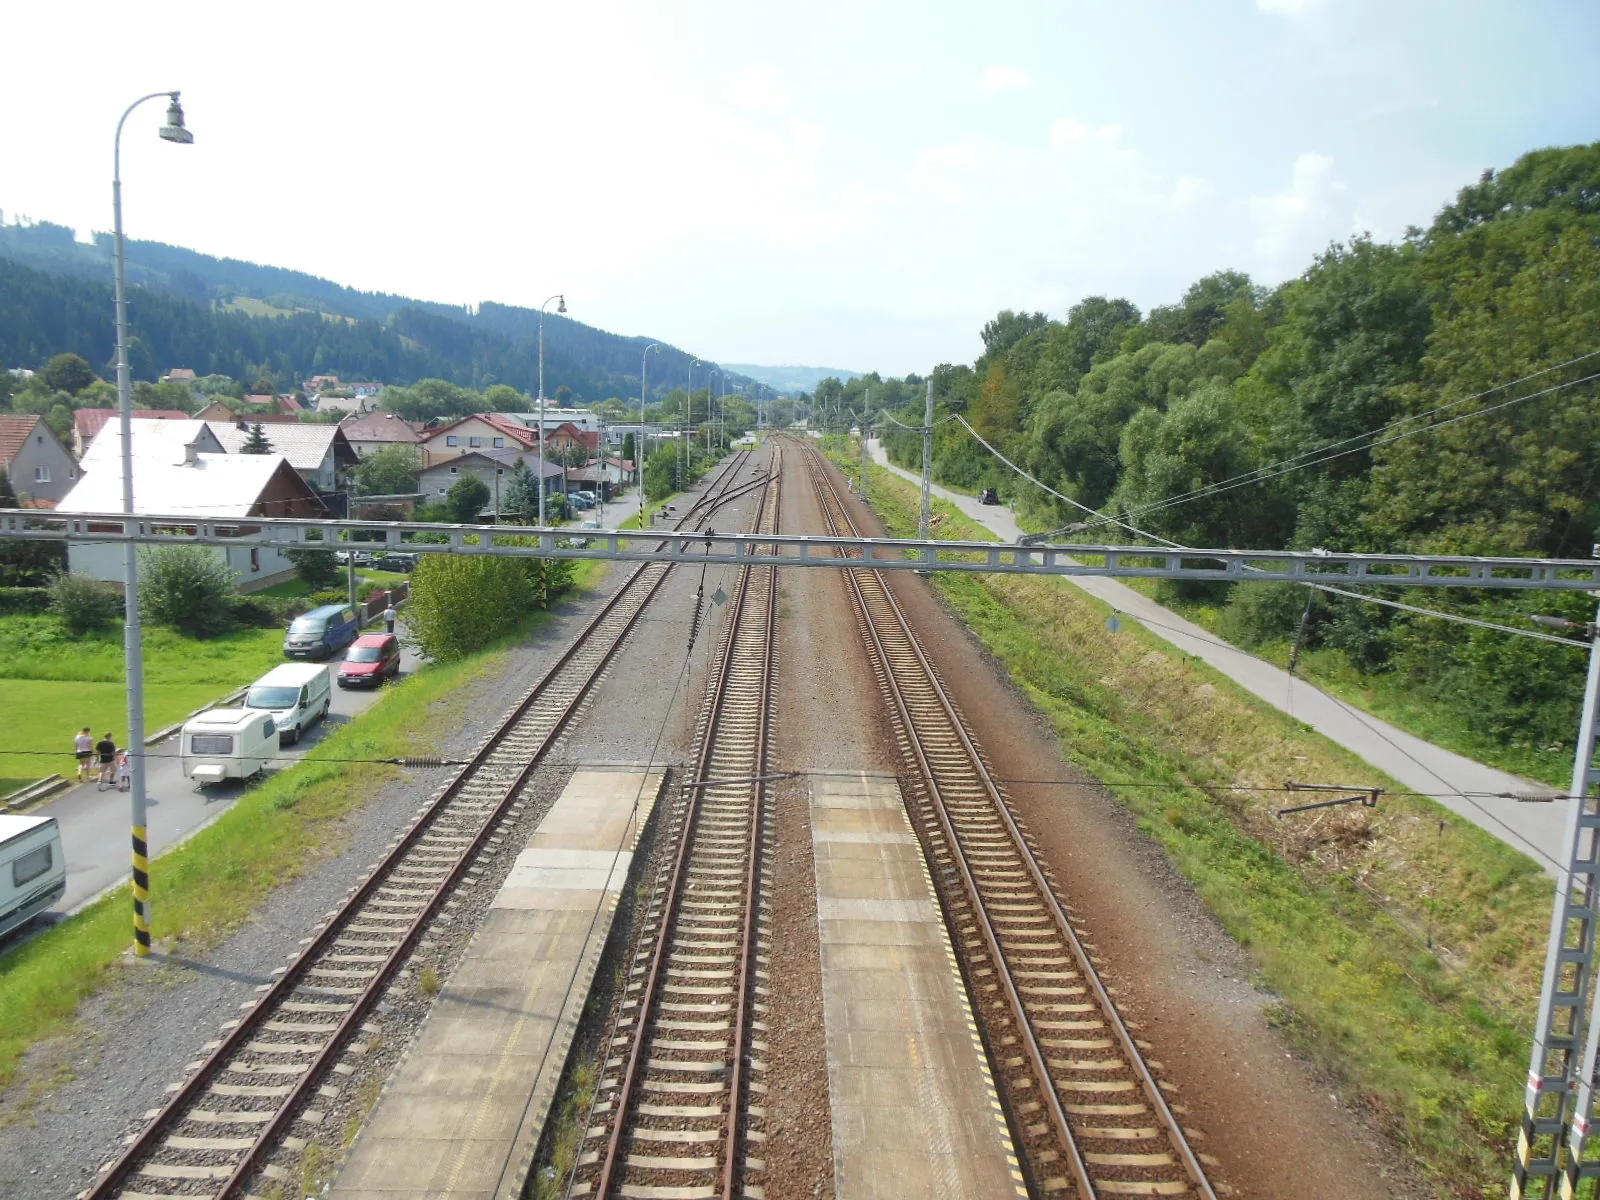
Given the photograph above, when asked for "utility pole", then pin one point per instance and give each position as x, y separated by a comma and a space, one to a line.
926, 517
866, 406
1559, 1103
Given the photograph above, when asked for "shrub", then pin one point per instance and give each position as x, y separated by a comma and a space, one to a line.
1259, 613
462, 603
84, 604
264, 612
328, 596
189, 588
24, 600
317, 568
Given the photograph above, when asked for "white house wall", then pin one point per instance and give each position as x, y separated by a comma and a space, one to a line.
103, 560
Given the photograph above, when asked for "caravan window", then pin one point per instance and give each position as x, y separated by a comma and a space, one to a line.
30, 866
211, 743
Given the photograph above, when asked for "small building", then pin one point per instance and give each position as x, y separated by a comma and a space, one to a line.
87, 422
356, 404
492, 467
179, 375
604, 477
481, 431
321, 453
180, 470
369, 432
34, 460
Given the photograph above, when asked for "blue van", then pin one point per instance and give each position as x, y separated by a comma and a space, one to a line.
322, 631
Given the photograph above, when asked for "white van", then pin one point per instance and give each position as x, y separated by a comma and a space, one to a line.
296, 694
228, 743
33, 872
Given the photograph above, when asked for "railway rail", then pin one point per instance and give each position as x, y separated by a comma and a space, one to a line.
222, 1126
678, 1111
1086, 1107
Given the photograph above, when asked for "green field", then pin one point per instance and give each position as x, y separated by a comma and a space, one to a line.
52, 684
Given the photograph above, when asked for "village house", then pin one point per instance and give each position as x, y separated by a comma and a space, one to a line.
320, 453
180, 470
34, 460
373, 431
481, 431
492, 467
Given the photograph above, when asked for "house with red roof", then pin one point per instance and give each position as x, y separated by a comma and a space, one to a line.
34, 460
480, 431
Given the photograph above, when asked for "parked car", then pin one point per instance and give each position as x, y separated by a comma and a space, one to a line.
296, 694
373, 658
394, 562
989, 496
33, 873
578, 500
227, 743
363, 558
322, 631
591, 497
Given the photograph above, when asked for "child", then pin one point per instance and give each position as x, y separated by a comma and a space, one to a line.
124, 772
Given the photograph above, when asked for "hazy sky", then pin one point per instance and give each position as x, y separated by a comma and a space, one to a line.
855, 184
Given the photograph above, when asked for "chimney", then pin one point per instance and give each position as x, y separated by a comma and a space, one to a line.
191, 452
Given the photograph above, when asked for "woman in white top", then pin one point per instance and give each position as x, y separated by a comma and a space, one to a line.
83, 747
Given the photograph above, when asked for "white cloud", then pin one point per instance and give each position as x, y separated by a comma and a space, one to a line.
757, 86
1292, 226
1286, 8
1000, 79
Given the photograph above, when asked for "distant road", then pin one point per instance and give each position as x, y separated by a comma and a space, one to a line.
1537, 830
95, 825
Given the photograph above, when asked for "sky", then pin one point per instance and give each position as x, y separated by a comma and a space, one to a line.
838, 183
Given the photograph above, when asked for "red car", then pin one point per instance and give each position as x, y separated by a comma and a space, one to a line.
372, 658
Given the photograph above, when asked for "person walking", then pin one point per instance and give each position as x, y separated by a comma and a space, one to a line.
124, 772
388, 613
83, 747
106, 751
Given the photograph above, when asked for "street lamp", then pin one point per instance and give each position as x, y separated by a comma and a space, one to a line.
560, 308
638, 449
132, 634
685, 435
711, 411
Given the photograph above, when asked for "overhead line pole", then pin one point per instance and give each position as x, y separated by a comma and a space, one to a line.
925, 517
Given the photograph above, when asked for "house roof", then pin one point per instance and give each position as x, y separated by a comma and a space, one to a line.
14, 431
515, 431
87, 422
379, 427
305, 446
181, 373
154, 439
213, 485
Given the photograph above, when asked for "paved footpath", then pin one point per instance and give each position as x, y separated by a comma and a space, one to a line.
462, 1114
1456, 782
914, 1109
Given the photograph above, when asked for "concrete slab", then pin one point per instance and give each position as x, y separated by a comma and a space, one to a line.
914, 1108
461, 1116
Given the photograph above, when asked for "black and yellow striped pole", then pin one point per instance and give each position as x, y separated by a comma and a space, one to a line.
141, 891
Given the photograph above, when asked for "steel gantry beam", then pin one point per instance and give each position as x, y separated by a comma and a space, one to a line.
805, 550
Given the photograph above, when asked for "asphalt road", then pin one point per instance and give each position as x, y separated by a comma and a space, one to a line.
95, 824
1457, 782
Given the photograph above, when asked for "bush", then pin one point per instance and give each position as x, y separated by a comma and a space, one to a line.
84, 604
316, 568
1259, 613
28, 600
188, 588
328, 596
265, 612
462, 603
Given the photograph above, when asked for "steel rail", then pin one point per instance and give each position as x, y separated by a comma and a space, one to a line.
1131, 1053
610, 1157
125, 1165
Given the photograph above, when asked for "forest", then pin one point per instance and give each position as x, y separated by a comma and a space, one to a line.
1433, 395
245, 321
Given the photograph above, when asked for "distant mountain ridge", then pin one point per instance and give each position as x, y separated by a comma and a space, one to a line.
792, 379
55, 297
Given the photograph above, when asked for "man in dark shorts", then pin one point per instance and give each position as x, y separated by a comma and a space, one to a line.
83, 747
105, 750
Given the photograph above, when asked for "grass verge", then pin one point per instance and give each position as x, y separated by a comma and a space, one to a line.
272, 835
1404, 943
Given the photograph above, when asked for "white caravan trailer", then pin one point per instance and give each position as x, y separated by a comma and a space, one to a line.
33, 872
228, 743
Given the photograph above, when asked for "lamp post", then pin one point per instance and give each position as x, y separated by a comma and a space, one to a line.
711, 411
132, 634
638, 449
562, 307
686, 437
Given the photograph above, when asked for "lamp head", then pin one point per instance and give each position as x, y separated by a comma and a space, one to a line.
173, 130
561, 304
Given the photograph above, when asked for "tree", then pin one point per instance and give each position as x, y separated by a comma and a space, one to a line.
189, 588
67, 373
461, 603
389, 471
318, 569
1009, 328
257, 442
563, 396
84, 604
466, 499
520, 496
627, 448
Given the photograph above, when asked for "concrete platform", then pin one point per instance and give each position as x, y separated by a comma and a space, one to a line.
462, 1115
914, 1107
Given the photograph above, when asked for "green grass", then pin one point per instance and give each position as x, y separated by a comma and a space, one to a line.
1411, 987
211, 884
366, 583
52, 684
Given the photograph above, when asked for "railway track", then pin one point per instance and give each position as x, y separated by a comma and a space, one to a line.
245, 1103
1086, 1108
678, 1110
